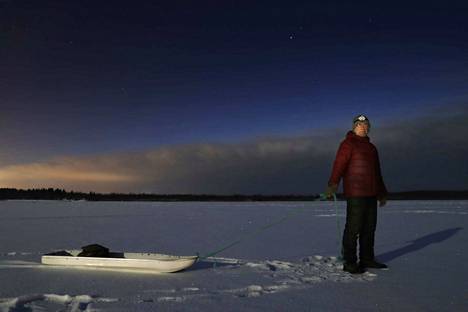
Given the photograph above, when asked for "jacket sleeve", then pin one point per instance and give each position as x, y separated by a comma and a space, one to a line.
343, 155
381, 189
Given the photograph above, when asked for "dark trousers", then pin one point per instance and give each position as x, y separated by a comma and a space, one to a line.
361, 222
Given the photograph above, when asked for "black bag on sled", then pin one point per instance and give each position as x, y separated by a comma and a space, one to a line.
94, 250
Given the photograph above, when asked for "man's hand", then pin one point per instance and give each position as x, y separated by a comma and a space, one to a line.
331, 189
382, 201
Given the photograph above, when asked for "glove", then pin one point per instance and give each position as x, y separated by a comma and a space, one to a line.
331, 189
382, 201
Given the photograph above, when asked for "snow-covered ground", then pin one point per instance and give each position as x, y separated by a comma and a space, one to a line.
291, 266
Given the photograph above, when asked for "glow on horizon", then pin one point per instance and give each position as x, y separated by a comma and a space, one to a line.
37, 175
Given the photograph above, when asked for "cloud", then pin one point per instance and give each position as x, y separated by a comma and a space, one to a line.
428, 152
263, 166
64, 173
424, 153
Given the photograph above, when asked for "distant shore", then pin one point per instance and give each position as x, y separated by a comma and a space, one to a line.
59, 194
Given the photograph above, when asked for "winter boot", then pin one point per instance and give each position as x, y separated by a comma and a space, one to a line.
353, 268
372, 265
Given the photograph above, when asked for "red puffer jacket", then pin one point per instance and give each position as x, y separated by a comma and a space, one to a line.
357, 162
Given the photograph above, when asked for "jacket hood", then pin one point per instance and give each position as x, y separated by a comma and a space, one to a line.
354, 136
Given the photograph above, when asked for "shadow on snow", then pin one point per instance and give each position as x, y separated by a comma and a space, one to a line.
419, 244
203, 265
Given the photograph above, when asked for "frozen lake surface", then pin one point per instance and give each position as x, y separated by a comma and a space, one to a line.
291, 266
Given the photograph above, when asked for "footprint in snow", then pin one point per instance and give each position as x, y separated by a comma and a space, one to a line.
36, 302
272, 276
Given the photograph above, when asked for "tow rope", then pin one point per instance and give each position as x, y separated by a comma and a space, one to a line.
265, 227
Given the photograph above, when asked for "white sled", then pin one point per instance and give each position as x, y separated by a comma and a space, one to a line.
148, 262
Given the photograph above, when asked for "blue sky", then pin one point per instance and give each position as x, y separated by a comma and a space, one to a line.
83, 80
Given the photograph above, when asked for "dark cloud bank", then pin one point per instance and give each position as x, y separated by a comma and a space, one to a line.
424, 153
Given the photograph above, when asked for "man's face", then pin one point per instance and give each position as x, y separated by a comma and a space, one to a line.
361, 129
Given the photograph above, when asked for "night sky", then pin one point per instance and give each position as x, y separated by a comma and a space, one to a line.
229, 96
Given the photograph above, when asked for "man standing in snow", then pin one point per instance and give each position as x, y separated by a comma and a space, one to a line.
357, 162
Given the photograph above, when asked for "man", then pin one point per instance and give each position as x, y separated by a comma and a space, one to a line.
357, 162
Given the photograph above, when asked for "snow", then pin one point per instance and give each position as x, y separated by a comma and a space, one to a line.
291, 266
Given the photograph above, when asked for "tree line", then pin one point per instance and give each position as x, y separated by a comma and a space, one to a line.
61, 194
